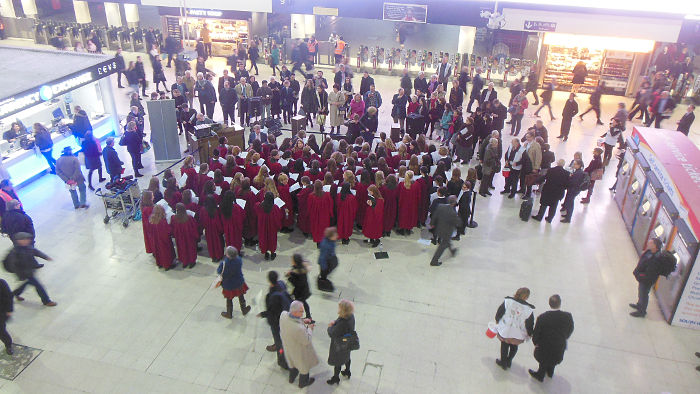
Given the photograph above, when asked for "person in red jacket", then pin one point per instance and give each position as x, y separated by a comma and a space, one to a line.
390, 192
269, 223
286, 196
184, 229
146, 210
426, 183
250, 225
163, 249
303, 219
320, 211
209, 218
232, 219
373, 225
409, 195
347, 208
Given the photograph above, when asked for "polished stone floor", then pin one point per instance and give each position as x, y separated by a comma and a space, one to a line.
123, 326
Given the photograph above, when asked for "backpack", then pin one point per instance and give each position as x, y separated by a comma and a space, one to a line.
9, 263
666, 263
586, 183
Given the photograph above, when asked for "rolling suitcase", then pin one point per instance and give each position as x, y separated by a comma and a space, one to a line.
526, 210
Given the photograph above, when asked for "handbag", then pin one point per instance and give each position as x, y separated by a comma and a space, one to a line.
597, 175
531, 178
348, 342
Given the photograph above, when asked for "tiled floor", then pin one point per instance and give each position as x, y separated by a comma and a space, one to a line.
122, 326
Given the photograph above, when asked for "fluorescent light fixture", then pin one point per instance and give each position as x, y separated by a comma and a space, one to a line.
598, 42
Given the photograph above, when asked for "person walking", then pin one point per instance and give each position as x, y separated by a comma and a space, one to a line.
277, 300
43, 141
92, 150
296, 334
6, 309
555, 182
594, 101
275, 59
552, 330
133, 140
570, 110
15, 220
232, 282
253, 55
327, 259
646, 272
580, 72
531, 86
515, 324
297, 276
339, 330
610, 138
21, 261
68, 169
444, 221
686, 120
546, 96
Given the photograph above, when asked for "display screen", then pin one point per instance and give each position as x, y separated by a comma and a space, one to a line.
416, 13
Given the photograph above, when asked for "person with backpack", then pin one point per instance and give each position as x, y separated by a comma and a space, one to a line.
578, 182
276, 302
22, 261
646, 272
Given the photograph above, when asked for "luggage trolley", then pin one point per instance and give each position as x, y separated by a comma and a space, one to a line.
122, 201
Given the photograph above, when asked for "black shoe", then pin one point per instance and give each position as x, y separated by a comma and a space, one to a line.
138, 175
347, 373
439, 263
565, 221
501, 364
634, 306
39, 266
293, 373
534, 375
511, 195
505, 191
333, 380
538, 218
560, 136
9, 351
267, 255
273, 256
638, 313
599, 122
549, 220
309, 382
489, 194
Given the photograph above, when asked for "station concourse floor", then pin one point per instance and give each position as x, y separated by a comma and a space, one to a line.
123, 326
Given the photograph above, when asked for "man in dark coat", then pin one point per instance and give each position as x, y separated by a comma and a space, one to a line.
489, 94
531, 86
81, 123
406, 82
14, 220
6, 309
555, 181
687, 120
140, 73
121, 66
646, 272
365, 82
22, 261
172, 47
112, 161
228, 100
499, 113
551, 332
444, 221
477, 86
546, 100
570, 110
420, 83
464, 79
573, 188
277, 300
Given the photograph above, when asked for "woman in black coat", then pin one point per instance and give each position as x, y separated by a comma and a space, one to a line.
337, 329
93, 160
159, 74
308, 102
298, 279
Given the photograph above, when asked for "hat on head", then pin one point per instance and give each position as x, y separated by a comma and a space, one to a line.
22, 235
67, 149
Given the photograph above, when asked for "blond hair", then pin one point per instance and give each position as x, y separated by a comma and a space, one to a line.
271, 187
408, 179
345, 308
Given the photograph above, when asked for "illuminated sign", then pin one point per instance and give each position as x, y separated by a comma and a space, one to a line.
52, 89
205, 13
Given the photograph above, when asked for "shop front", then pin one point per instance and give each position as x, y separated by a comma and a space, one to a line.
51, 102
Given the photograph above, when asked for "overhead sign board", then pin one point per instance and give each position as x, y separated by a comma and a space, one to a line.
540, 26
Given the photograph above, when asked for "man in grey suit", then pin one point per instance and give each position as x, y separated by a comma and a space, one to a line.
444, 220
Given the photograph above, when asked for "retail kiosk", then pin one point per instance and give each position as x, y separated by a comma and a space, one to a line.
228, 29
674, 162
41, 86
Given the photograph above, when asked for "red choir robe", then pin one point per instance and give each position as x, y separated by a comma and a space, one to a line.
174, 199
186, 238
147, 228
223, 151
361, 195
213, 233
224, 186
426, 183
201, 180
233, 227
320, 211
283, 190
193, 206
215, 165
373, 225
347, 209
251, 171
303, 220
229, 172
192, 181
319, 176
275, 168
408, 205
269, 223
391, 207
163, 249
250, 224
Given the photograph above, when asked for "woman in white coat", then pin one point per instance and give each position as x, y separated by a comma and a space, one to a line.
299, 352
336, 99
516, 321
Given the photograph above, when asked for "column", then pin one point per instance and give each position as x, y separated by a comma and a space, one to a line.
310, 25
29, 8
298, 29
7, 9
82, 12
258, 24
465, 42
108, 101
114, 15
131, 14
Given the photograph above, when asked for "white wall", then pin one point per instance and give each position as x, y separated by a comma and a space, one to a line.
235, 5
655, 29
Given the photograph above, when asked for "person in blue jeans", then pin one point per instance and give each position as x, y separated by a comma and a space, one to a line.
68, 169
22, 261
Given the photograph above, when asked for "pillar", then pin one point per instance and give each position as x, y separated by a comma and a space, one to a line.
465, 43
258, 24
29, 8
131, 14
7, 9
298, 29
82, 12
114, 15
310, 25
